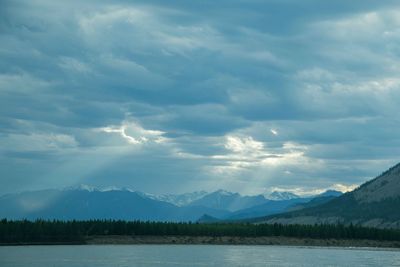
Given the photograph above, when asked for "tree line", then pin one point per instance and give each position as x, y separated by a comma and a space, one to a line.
21, 231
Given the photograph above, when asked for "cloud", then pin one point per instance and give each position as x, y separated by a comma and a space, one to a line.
274, 132
73, 64
244, 145
38, 142
246, 154
135, 134
22, 83
180, 96
301, 191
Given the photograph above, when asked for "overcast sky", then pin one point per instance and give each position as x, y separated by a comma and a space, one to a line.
176, 96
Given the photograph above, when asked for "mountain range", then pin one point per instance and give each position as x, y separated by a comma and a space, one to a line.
375, 203
86, 202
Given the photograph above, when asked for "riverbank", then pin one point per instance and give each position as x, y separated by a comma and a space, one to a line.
232, 240
221, 240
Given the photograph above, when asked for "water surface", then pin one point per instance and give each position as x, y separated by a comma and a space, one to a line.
192, 255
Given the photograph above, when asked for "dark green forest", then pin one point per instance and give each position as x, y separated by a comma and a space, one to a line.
25, 231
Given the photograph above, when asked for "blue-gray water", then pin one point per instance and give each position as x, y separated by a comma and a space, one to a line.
193, 255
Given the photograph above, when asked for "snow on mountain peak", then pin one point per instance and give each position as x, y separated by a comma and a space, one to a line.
89, 188
82, 187
179, 199
278, 195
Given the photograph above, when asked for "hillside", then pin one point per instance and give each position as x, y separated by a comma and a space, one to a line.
268, 208
375, 203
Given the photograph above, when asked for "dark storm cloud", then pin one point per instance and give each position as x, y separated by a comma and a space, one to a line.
243, 95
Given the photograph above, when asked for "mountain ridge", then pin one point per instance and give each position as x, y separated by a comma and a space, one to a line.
83, 204
86, 202
375, 204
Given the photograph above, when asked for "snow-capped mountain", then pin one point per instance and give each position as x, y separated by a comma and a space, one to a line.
226, 200
179, 200
277, 195
90, 188
89, 202
84, 203
373, 204
81, 187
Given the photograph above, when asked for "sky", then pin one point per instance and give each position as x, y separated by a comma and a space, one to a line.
176, 96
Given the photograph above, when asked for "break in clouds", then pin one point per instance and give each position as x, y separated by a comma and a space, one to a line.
172, 96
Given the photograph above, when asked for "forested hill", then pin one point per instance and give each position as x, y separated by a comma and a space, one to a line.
375, 203
40, 231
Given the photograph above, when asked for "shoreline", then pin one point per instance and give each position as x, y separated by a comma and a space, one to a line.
221, 240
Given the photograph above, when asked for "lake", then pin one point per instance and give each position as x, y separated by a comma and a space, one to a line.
192, 255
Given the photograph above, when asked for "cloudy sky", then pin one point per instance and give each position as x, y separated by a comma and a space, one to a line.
176, 96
